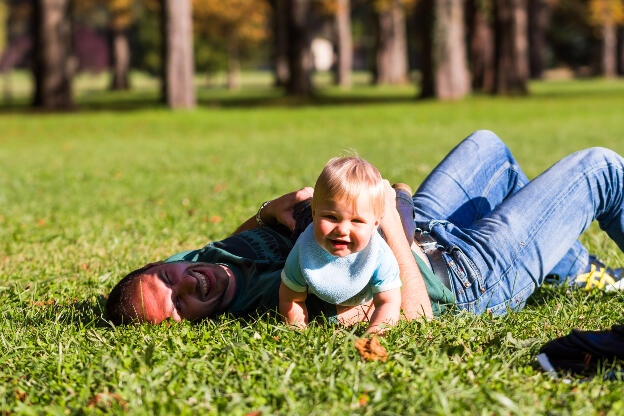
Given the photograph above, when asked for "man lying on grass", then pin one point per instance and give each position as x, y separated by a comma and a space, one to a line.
486, 237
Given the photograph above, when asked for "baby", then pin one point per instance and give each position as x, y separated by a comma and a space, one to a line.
340, 257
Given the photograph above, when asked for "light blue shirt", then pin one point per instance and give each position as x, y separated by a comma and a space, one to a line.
350, 280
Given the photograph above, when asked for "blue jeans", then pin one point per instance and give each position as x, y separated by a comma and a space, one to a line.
503, 233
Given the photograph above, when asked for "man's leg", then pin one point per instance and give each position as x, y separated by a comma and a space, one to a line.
524, 237
472, 180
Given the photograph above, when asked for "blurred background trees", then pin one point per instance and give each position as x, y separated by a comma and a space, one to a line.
237, 27
447, 48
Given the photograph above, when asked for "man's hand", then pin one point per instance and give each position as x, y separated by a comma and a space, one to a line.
389, 199
280, 210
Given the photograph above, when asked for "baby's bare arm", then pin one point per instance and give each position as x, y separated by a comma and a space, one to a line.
387, 310
292, 306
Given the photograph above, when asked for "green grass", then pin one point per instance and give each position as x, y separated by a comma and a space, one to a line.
87, 196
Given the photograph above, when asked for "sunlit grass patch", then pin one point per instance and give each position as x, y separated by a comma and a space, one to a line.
87, 196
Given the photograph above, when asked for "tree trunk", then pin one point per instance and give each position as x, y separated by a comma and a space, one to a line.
511, 47
424, 21
609, 49
482, 46
178, 70
299, 53
391, 55
345, 44
121, 60
233, 75
52, 54
280, 33
539, 19
7, 91
621, 51
449, 72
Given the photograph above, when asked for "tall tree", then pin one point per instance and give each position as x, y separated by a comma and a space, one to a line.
391, 64
539, 20
178, 65
4, 25
280, 42
238, 24
17, 40
481, 45
4, 41
512, 66
120, 20
52, 54
340, 12
446, 75
621, 51
299, 52
345, 43
607, 14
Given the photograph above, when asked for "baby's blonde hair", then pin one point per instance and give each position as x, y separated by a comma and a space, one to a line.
346, 178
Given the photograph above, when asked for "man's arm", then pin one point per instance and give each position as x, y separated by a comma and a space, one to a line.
415, 300
278, 211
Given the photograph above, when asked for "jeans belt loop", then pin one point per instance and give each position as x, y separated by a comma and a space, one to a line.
433, 250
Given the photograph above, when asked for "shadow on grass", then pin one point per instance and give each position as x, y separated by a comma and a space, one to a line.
80, 313
107, 101
263, 96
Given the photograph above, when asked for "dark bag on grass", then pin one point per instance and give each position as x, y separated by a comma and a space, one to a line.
580, 351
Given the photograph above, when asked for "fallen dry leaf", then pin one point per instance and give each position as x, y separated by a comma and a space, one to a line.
370, 349
20, 395
219, 187
363, 399
256, 413
105, 399
215, 219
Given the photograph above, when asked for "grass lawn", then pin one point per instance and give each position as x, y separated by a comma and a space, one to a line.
90, 195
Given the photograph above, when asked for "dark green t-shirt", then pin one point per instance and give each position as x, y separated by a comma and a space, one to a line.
257, 256
439, 294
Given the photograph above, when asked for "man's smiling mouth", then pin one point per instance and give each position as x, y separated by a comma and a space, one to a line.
202, 283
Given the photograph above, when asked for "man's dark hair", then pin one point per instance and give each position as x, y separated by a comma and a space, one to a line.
119, 307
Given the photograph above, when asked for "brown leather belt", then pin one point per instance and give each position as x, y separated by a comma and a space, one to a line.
434, 251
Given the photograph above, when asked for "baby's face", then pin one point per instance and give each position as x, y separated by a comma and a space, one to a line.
340, 229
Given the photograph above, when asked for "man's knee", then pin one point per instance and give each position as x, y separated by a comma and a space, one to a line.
487, 142
597, 155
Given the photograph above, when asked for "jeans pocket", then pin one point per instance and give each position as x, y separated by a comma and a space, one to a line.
458, 272
463, 275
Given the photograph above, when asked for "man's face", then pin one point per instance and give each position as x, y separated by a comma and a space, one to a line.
182, 291
340, 228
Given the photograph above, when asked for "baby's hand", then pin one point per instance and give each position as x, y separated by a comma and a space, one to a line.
300, 326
